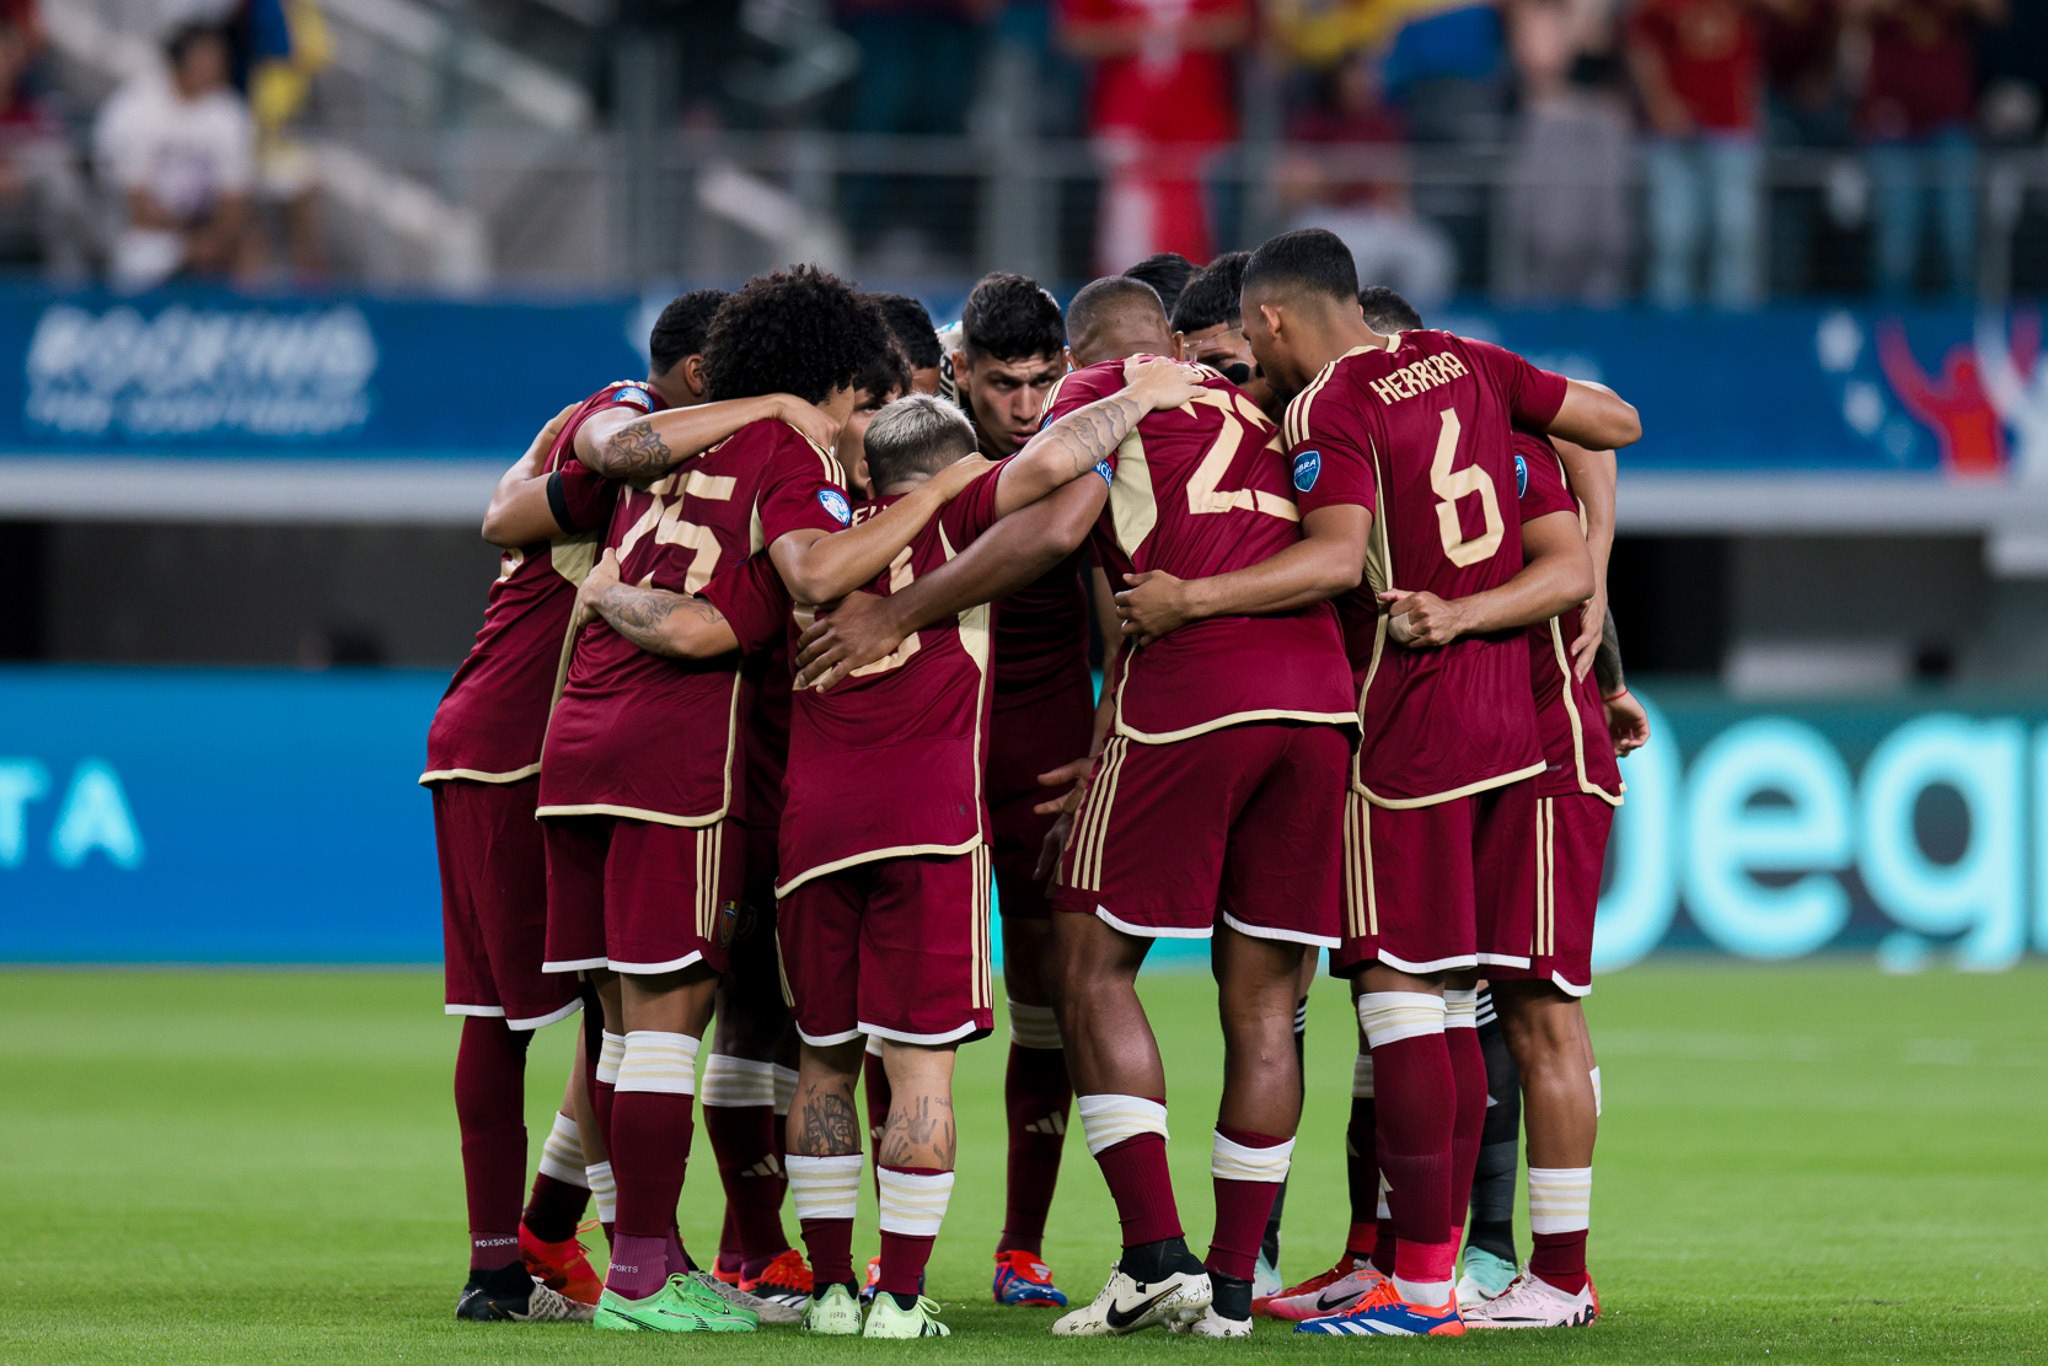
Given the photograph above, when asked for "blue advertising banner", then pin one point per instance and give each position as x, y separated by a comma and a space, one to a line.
233, 817
1926, 392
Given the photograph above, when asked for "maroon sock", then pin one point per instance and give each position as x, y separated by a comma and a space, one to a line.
1242, 1209
743, 1141
650, 1153
554, 1208
639, 1266
678, 1260
1038, 1096
1468, 1073
1362, 1175
1143, 1189
490, 1109
1560, 1258
1412, 1082
728, 1233
830, 1244
875, 1085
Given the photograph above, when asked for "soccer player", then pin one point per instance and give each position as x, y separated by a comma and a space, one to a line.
1207, 330
885, 920
1012, 351
483, 754
1213, 811
912, 327
1168, 272
1439, 826
642, 769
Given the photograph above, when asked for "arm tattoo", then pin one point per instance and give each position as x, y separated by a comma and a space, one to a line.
1607, 659
639, 614
635, 451
917, 1130
1087, 435
826, 1124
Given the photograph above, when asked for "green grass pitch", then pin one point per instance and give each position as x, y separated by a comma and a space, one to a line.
1796, 1165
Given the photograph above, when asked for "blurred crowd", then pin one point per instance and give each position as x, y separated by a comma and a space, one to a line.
1592, 150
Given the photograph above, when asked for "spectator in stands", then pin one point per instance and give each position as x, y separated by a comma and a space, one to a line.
1371, 212
1917, 118
42, 197
1446, 71
1162, 100
1803, 73
1571, 212
1698, 71
919, 62
178, 149
288, 44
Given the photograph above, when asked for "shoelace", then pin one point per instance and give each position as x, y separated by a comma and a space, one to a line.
1382, 1294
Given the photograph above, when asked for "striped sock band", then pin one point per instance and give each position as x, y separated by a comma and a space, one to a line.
914, 1203
657, 1061
604, 1191
824, 1187
737, 1083
611, 1051
1560, 1199
1388, 1017
1486, 1014
1361, 1077
1232, 1161
1461, 1008
785, 1089
1109, 1120
561, 1155
1033, 1026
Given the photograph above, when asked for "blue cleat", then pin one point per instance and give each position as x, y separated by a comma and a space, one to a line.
1385, 1314
1024, 1281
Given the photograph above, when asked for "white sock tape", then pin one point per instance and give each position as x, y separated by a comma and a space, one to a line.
914, 1203
604, 1191
1560, 1199
1461, 1008
1390, 1016
1361, 1077
1109, 1120
612, 1048
1232, 1161
561, 1154
738, 1083
824, 1187
1033, 1026
785, 1088
657, 1061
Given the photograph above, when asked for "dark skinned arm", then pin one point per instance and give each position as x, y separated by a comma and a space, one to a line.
1328, 560
1555, 577
1596, 417
817, 566
623, 443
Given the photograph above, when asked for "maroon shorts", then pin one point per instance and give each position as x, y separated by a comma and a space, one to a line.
894, 949
1442, 887
494, 904
1027, 737
1571, 854
1237, 826
638, 896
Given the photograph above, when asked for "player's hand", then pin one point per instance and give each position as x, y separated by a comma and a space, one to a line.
1422, 620
808, 418
853, 635
1155, 605
1592, 627
953, 479
1073, 777
604, 574
1627, 723
1160, 383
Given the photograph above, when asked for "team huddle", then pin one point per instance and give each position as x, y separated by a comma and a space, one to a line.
787, 682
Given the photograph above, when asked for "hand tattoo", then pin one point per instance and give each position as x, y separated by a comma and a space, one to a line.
635, 451
827, 1126
915, 1130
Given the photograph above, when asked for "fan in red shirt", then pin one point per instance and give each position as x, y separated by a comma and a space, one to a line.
1414, 430
1162, 97
885, 916
483, 757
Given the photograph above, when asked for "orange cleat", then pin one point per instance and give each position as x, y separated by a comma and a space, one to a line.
563, 1267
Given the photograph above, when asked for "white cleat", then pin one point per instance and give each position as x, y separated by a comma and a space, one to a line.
1212, 1325
1486, 1277
1127, 1306
763, 1308
1532, 1302
1334, 1298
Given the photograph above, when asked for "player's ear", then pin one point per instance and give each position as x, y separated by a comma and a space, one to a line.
1272, 314
693, 373
1072, 364
1180, 346
961, 367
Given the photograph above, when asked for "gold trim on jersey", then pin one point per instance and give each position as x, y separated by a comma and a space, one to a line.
1361, 900
874, 855
1236, 718
710, 854
982, 994
477, 775
1545, 941
1133, 510
1571, 711
1091, 827
1437, 798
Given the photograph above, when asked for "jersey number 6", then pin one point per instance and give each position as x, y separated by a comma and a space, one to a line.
1451, 485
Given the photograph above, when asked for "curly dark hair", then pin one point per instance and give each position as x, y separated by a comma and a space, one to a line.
1168, 272
1211, 295
913, 328
679, 331
1011, 318
797, 331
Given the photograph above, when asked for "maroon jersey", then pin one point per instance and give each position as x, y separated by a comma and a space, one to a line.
1041, 634
494, 715
1570, 719
658, 739
1198, 491
1419, 432
887, 763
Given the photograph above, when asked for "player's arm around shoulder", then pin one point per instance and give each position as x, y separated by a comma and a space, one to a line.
820, 567
626, 441
521, 512
1084, 440
654, 619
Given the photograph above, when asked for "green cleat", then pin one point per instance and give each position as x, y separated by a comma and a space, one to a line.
889, 1320
681, 1306
833, 1313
